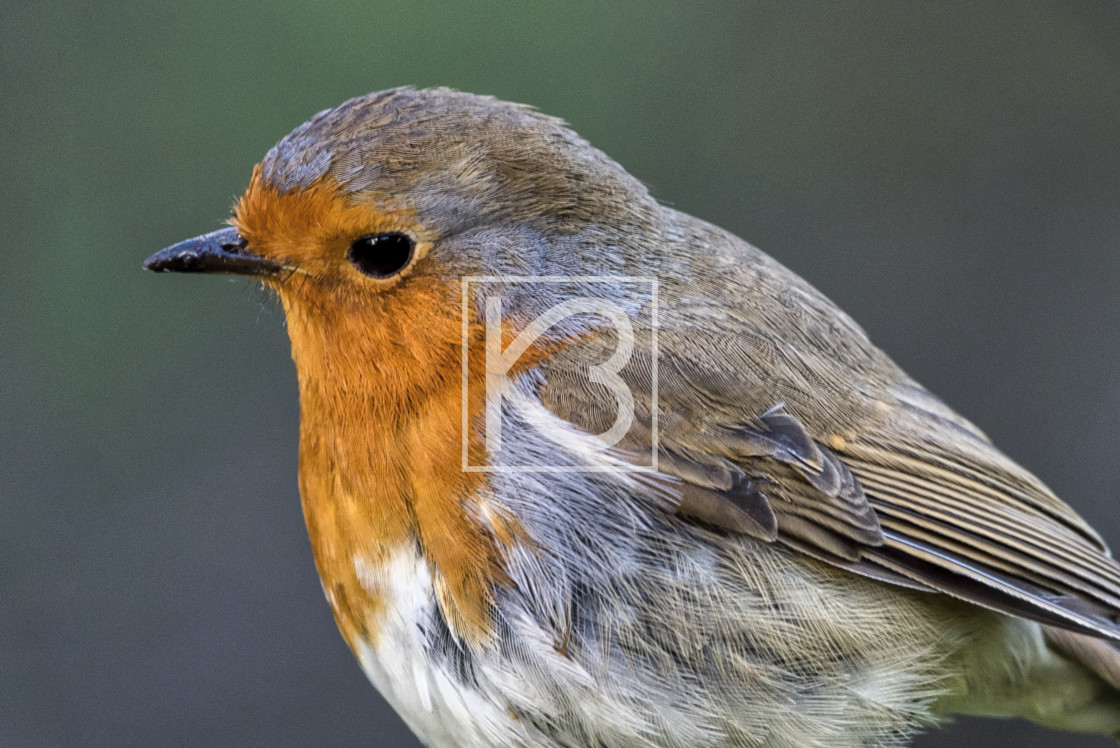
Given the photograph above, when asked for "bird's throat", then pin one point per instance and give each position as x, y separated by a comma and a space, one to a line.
381, 447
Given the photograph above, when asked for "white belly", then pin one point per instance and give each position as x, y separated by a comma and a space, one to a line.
434, 704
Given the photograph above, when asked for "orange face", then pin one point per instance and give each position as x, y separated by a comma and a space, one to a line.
391, 337
311, 229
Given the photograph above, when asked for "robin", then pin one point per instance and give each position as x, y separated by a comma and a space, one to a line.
579, 469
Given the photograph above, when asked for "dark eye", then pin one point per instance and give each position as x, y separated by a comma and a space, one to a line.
381, 255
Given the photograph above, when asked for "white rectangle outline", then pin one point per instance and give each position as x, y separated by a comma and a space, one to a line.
652, 280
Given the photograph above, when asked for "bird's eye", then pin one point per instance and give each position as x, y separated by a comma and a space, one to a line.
381, 255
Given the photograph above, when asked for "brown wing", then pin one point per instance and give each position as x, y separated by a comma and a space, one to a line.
987, 536
896, 487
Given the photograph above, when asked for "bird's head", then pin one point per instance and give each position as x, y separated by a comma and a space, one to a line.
367, 218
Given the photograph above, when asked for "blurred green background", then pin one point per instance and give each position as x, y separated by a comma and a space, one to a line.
948, 172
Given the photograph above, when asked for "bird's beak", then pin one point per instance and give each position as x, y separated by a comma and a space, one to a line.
217, 252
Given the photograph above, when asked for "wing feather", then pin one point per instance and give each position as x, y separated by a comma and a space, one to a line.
987, 523
996, 539
884, 481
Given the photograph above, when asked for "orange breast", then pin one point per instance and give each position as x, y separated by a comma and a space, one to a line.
380, 465
382, 411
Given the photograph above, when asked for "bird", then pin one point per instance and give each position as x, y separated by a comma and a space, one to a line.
579, 469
